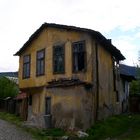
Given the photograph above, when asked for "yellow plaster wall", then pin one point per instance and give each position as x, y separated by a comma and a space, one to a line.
106, 86
71, 107
47, 39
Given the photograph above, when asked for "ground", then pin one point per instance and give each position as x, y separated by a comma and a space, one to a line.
120, 127
11, 132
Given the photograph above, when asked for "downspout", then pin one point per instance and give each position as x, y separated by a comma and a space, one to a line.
93, 82
97, 81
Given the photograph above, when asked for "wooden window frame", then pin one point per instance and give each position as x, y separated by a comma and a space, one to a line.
83, 42
26, 65
55, 59
40, 71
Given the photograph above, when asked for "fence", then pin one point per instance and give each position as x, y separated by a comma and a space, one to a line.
13, 106
134, 103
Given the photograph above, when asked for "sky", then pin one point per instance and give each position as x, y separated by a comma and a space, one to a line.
118, 20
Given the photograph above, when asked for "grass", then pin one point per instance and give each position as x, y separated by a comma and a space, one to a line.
38, 134
121, 127
11, 118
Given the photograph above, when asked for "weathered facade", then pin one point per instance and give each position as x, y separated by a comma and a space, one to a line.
127, 74
69, 73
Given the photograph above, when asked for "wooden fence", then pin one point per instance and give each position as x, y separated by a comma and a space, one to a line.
134, 103
13, 106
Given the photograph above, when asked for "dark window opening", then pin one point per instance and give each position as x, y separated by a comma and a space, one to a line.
26, 66
117, 96
40, 65
123, 84
48, 105
30, 99
58, 59
79, 56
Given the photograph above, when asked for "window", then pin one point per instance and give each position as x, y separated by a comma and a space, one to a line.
58, 59
40, 64
48, 105
30, 99
117, 96
79, 56
26, 66
116, 75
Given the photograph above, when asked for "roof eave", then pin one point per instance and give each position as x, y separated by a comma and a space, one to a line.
112, 49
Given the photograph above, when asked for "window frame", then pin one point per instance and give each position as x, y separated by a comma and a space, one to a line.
85, 57
54, 47
26, 64
38, 62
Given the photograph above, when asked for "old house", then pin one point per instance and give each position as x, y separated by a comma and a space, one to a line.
70, 76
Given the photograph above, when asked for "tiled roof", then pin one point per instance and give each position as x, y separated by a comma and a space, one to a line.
21, 96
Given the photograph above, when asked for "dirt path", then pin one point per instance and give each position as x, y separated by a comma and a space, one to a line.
11, 132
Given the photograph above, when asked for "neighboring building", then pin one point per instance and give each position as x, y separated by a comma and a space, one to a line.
127, 74
69, 74
13, 76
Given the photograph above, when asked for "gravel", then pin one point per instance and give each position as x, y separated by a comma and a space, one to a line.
11, 132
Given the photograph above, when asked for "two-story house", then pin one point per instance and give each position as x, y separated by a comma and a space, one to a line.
69, 74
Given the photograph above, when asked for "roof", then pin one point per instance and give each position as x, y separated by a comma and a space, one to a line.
128, 72
9, 74
97, 35
21, 96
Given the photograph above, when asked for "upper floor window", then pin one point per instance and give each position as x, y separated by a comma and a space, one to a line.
40, 62
79, 56
26, 66
58, 59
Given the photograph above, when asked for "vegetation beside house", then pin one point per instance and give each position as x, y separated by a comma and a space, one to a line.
8, 91
135, 84
8, 88
120, 127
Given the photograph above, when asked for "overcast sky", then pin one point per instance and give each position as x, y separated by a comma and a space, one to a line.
115, 19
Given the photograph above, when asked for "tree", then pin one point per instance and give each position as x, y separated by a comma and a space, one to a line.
7, 88
135, 85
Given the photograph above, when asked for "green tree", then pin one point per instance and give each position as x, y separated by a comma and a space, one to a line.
7, 88
135, 84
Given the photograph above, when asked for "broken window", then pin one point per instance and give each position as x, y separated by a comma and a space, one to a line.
26, 66
58, 59
40, 68
79, 56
